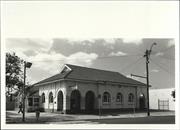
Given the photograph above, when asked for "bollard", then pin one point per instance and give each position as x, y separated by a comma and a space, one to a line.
37, 114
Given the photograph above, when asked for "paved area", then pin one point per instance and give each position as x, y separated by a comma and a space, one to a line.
137, 120
51, 118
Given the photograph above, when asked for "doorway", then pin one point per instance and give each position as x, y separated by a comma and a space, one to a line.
141, 101
60, 101
89, 102
75, 101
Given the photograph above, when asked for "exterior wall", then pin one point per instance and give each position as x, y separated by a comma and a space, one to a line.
98, 89
141, 90
83, 88
54, 88
161, 94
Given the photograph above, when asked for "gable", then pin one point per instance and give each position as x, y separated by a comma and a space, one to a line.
65, 70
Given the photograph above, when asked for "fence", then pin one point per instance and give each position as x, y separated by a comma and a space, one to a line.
163, 104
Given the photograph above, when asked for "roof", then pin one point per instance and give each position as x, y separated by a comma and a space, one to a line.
90, 74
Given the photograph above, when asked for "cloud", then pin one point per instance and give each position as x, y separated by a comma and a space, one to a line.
159, 54
136, 41
119, 53
91, 40
81, 58
48, 62
51, 62
30, 53
154, 70
24, 44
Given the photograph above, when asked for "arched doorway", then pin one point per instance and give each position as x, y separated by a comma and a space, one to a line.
60, 101
141, 101
75, 101
89, 101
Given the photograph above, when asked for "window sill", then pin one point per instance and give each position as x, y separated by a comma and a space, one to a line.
106, 103
118, 103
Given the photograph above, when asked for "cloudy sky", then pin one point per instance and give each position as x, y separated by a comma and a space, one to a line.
116, 54
104, 35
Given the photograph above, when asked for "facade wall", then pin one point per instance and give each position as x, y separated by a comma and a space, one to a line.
141, 90
98, 89
54, 88
161, 94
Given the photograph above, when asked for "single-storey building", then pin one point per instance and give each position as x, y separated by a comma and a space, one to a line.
80, 89
162, 99
31, 100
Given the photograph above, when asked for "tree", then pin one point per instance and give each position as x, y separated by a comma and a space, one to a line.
14, 73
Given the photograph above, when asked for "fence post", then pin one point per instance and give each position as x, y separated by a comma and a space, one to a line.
168, 104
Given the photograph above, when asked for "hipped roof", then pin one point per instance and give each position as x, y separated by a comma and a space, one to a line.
90, 74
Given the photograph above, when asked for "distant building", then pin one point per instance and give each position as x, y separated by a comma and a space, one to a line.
162, 99
31, 99
79, 89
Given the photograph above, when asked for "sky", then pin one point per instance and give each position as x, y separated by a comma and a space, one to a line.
103, 35
116, 54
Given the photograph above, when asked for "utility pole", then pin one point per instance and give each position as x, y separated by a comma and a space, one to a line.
147, 78
147, 55
26, 65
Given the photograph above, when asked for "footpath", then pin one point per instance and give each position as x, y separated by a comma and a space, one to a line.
45, 117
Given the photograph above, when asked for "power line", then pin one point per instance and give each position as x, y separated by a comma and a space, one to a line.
166, 49
162, 56
161, 67
166, 58
132, 63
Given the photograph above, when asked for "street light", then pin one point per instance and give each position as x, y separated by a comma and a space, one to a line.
147, 55
26, 65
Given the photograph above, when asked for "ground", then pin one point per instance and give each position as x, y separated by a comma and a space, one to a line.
157, 117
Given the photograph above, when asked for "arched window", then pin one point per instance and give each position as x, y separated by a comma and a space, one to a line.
50, 97
119, 98
43, 98
131, 98
106, 97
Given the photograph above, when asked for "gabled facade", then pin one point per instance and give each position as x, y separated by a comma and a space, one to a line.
79, 89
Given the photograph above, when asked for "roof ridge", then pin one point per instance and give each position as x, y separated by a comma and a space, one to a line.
92, 68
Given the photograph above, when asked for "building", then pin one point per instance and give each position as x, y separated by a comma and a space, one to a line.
162, 99
79, 89
31, 99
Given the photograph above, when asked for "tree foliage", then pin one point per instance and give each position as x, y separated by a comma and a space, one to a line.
14, 73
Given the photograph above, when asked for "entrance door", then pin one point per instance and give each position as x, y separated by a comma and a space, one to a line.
89, 102
60, 101
142, 101
75, 101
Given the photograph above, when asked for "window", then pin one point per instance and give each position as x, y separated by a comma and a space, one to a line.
131, 98
106, 97
36, 101
43, 98
50, 97
119, 98
30, 101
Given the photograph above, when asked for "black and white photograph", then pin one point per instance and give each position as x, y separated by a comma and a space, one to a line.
89, 65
